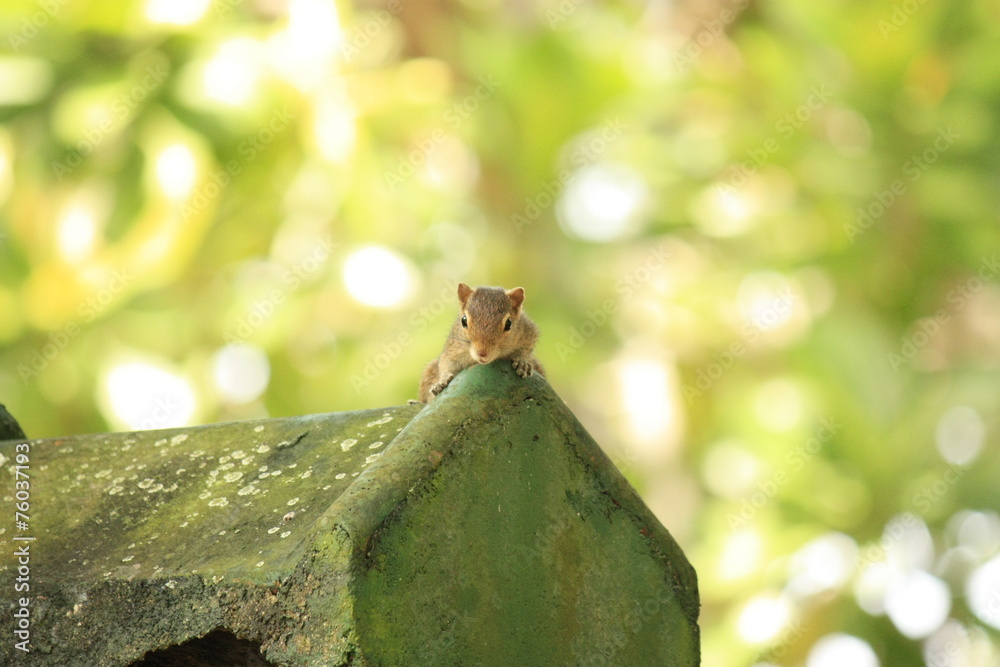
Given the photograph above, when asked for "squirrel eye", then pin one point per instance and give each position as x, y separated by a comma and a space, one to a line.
507, 325
465, 321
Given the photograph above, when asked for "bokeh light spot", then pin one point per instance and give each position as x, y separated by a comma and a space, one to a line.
176, 12
143, 396
602, 203
241, 372
959, 435
231, 76
378, 277
741, 555
176, 171
917, 603
763, 618
77, 230
983, 591
825, 563
648, 398
841, 650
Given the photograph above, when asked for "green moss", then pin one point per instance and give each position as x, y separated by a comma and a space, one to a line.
512, 552
486, 528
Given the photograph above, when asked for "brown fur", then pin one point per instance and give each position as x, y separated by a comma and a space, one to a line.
484, 340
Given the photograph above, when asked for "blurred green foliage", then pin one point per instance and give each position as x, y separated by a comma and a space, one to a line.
760, 239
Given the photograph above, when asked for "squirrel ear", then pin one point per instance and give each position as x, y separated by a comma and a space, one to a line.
516, 298
464, 292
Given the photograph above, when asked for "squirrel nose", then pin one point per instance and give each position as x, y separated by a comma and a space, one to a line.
481, 353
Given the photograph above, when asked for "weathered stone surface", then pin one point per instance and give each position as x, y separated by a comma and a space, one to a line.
486, 528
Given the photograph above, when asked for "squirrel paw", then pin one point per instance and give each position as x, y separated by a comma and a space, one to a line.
438, 387
522, 367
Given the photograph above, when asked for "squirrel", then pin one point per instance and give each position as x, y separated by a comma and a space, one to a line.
492, 325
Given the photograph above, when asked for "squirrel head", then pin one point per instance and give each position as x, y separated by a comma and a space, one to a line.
488, 317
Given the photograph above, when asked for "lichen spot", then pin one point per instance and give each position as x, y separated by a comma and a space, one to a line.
347, 444
178, 439
341, 475
233, 476
258, 429
293, 501
221, 501
146, 483
372, 458
272, 531
376, 444
260, 563
285, 534
262, 449
247, 490
386, 418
